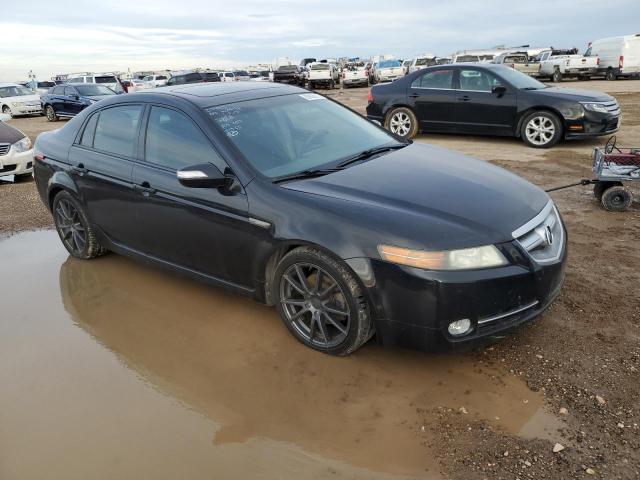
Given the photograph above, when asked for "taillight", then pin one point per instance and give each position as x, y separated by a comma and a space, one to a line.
370, 96
598, 61
621, 62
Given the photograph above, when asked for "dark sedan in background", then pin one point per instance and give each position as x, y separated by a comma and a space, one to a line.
490, 100
68, 100
288, 197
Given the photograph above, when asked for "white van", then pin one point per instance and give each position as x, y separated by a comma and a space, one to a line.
619, 56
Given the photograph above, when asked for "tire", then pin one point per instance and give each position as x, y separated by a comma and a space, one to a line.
402, 121
7, 111
340, 330
617, 199
557, 76
541, 129
600, 187
610, 75
51, 113
74, 228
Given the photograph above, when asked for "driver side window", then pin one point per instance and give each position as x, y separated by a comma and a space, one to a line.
477, 80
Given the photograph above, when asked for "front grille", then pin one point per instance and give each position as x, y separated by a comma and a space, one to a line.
612, 107
4, 148
543, 236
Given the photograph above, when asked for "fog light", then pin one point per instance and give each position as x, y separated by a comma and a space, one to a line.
459, 327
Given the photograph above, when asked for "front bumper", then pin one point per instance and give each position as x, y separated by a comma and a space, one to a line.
414, 307
13, 163
593, 124
26, 109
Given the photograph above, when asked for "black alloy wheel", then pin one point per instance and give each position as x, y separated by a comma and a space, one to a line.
73, 227
321, 303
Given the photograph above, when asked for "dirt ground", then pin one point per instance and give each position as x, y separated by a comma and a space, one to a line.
569, 378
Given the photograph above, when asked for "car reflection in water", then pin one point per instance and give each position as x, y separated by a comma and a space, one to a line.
229, 358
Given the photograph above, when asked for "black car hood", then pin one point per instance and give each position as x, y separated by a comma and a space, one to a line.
423, 189
578, 94
8, 134
96, 97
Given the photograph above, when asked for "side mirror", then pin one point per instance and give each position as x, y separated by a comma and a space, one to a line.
203, 175
4, 117
499, 90
75, 97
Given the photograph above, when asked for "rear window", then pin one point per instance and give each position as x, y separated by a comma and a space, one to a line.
467, 58
320, 66
425, 61
287, 68
390, 64
161, 77
106, 79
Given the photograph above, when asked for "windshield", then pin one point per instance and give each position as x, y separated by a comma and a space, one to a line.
14, 92
46, 84
390, 64
93, 90
292, 133
466, 58
518, 79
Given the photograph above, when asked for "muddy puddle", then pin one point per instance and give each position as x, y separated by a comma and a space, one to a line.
112, 369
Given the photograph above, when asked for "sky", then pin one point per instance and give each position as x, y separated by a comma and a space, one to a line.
54, 37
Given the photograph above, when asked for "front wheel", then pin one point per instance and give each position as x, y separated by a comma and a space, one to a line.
617, 199
557, 76
7, 111
541, 130
321, 302
402, 122
51, 114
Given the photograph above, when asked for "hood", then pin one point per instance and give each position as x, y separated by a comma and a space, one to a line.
96, 98
8, 134
576, 93
34, 98
418, 187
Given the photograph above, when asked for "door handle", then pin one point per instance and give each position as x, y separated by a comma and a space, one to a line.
464, 98
414, 95
145, 189
79, 169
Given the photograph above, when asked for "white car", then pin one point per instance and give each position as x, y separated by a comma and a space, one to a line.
16, 152
387, 71
18, 100
154, 81
619, 56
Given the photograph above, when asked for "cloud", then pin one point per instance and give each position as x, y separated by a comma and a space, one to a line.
94, 35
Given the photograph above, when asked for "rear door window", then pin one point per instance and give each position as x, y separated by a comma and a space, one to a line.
438, 79
117, 130
174, 141
68, 91
193, 78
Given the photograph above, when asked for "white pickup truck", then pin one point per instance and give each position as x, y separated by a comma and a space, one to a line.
323, 74
355, 76
558, 64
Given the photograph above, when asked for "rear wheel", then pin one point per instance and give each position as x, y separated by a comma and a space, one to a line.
617, 199
74, 228
321, 302
600, 187
610, 75
403, 122
541, 129
51, 114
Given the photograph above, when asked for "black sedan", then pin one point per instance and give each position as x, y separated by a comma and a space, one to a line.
66, 101
286, 196
490, 100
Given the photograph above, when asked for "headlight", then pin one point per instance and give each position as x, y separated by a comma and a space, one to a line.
466, 259
18, 104
595, 107
22, 145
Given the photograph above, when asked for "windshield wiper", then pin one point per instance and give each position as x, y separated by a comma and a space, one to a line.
368, 154
316, 172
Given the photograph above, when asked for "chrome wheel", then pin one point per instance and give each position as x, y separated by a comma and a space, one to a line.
540, 130
315, 305
7, 111
69, 225
51, 114
400, 124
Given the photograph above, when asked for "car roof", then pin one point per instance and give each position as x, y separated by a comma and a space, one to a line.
10, 84
219, 93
